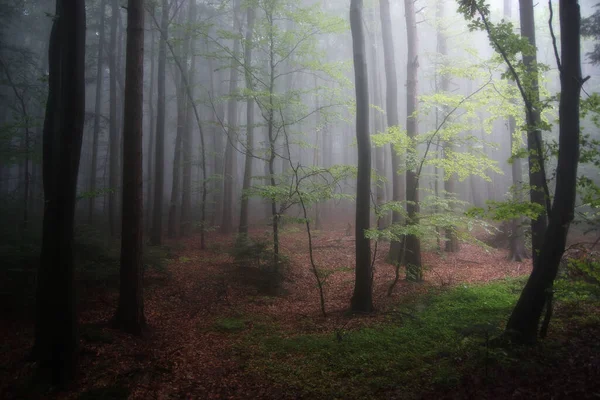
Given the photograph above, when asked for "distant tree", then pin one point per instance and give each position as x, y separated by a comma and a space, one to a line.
590, 27
516, 246
113, 136
159, 157
130, 311
97, 111
230, 166
243, 228
391, 102
56, 341
362, 298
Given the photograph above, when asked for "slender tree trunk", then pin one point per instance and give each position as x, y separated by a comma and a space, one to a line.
97, 112
114, 145
159, 175
56, 339
524, 321
412, 251
187, 144
362, 298
452, 244
517, 238
151, 125
130, 311
229, 172
398, 183
243, 229
537, 178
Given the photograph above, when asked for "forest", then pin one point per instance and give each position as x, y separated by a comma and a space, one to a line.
299, 199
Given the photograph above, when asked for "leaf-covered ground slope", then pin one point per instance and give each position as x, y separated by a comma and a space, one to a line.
215, 334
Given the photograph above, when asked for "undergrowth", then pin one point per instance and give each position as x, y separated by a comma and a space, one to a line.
430, 343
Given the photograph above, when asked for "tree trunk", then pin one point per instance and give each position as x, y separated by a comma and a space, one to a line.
451, 245
187, 144
537, 178
398, 183
517, 250
159, 174
130, 311
56, 341
114, 145
97, 112
362, 298
412, 246
243, 229
151, 125
524, 321
229, 172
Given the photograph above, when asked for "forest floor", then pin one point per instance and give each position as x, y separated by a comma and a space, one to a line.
213, 334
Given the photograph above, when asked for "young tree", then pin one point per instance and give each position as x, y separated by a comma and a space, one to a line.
130, 311
362, 298
56, 341
525, 318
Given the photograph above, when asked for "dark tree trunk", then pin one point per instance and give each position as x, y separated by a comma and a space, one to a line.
159, 146
151, 125
56, 341
524, 321
130, 311
243, 229
398, 183
537, 178
362, 298
114, 146
412, 249
97, 111
229, 172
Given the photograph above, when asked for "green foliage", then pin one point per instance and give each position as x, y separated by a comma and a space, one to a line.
506, 210
420, 341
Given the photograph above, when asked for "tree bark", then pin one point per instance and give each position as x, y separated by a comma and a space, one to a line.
412, 249
159, 174
56, 339
362, 298
524, 322
130, 311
